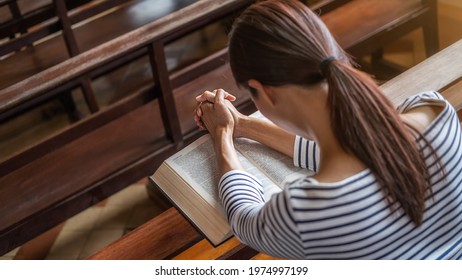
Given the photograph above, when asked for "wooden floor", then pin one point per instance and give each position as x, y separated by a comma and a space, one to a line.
87, 232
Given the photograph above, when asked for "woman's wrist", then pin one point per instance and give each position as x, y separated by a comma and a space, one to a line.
243, 126
222, 134
267, 133
225, 151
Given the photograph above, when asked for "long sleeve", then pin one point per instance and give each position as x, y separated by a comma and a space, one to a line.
268, 227
306, 154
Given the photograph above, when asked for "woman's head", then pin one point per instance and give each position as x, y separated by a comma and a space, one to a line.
279, 43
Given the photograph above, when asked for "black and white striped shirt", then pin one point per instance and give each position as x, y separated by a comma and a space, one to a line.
351, 219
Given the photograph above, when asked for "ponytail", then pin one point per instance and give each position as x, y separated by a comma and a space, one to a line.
366, 124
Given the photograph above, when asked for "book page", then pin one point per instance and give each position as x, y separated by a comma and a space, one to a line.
275, 165
269, 187
198, 165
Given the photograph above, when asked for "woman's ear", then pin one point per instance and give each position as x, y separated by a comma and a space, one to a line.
263, 93
255, 87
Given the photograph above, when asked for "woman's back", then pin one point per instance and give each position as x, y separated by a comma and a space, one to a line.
443, 215
352, 219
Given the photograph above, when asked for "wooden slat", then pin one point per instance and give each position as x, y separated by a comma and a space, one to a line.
240, 252
66, 25
167, 104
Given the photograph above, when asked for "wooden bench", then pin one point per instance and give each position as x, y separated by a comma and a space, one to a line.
170, 236
365, 27
104, 21
360, 35
86, 162
25, 22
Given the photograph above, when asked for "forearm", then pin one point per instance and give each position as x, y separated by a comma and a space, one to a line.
226, 153
268, 134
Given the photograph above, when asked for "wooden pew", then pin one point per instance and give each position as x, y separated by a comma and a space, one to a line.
422, 77
20, 17
390, 21
364, 27
67, 16
86, 162
105, 20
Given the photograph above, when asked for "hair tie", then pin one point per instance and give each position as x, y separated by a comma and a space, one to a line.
324, 63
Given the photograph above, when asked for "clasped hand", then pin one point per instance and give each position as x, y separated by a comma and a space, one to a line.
215, 113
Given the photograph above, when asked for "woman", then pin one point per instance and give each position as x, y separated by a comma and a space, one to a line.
388, 182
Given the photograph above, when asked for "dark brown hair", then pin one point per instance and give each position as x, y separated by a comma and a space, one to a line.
284, 42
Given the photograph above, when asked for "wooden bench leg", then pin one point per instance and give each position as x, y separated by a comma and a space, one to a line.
430, 29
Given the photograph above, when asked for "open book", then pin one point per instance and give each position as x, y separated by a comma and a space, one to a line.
190, 179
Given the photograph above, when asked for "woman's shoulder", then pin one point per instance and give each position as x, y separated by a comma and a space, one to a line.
422, 110
312, 185
429, 98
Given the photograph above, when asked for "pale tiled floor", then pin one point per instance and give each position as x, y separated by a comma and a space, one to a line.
10, 255
94, 228
100, 225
